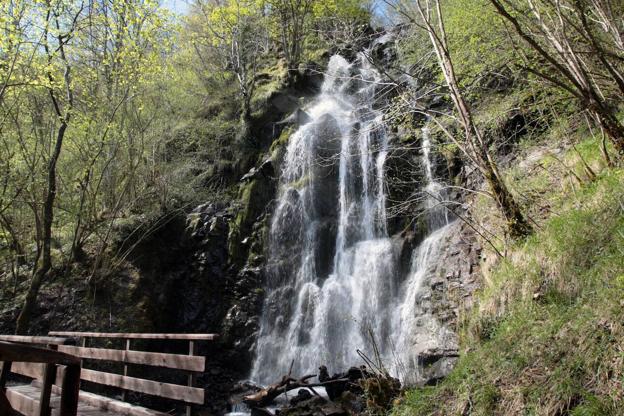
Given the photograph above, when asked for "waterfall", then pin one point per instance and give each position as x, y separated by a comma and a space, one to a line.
419, 331
437, 214
332, 270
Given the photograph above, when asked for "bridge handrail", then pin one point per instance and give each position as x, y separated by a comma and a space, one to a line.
27, 339
18, 352
184, 337
191, 363
27, 353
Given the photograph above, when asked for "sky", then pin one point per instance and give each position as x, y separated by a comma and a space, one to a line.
177, 6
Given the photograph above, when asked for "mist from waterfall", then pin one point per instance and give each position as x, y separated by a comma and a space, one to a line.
333, 276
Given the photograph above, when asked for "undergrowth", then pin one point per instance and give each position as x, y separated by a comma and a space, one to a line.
547, 336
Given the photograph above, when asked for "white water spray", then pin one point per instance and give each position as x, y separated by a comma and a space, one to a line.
332, 269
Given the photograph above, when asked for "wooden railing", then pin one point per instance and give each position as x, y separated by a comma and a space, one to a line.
192, 364
17, 350
56, 369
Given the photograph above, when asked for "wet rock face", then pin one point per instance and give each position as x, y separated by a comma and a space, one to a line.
448, 291
240, 324
181, 266
325, 171
307, 405
384, 51
458, 275
256, 191
286, 99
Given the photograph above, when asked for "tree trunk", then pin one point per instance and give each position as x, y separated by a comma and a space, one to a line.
579, 82
516, 224
476, 145
15, 243
24, 318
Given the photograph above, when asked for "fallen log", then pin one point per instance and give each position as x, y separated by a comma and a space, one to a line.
267, 395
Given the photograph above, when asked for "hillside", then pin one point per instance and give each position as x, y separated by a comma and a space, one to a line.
545, 333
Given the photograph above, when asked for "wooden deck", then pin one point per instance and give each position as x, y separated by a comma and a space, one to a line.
54, 365
25, 400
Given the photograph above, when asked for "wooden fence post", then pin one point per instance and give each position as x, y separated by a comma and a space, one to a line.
125, 373
49, 377
4, 375
191, 376
70, 390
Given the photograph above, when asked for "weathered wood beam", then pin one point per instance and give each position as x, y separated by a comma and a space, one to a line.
36, 339
28, 353
155, 388
116, 406
32, 370
156, 359
196, 337
49, 377
22, 403
4, 374
5, 405
70, 390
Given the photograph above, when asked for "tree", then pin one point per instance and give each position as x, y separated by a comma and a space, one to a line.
341, 20
233, 32
291, 19
57, 34
76, 125
579, 59
473, 145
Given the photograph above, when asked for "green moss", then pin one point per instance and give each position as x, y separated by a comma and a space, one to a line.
252, 200
282, 140
273, 81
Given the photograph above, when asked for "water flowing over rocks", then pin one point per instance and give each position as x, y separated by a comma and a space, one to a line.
336, 281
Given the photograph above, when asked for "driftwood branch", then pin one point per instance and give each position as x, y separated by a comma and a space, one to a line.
267, 395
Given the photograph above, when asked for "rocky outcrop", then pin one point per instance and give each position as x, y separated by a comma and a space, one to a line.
447, 292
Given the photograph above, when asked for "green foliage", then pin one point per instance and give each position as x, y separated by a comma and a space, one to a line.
153, 126
355, 10
544, 337
124, 101
478, 40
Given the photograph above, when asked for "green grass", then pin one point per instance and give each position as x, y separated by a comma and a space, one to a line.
547, 334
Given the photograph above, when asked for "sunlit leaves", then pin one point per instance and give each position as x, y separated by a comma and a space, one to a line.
115, 55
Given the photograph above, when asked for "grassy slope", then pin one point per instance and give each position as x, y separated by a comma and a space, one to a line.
547, 336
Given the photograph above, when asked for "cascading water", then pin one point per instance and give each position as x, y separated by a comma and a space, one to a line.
419, 331
332, 268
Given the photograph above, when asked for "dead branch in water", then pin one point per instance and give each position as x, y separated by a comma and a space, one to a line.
267, 395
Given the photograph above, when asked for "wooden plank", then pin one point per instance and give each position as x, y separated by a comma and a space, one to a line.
191, 377
24, 399
35, 339
117, 406
156, 359
154, 388
196, 337
5, 405
105, 404
83, 408
49, 376
23, 352
4, 375
32, 370
125, 369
